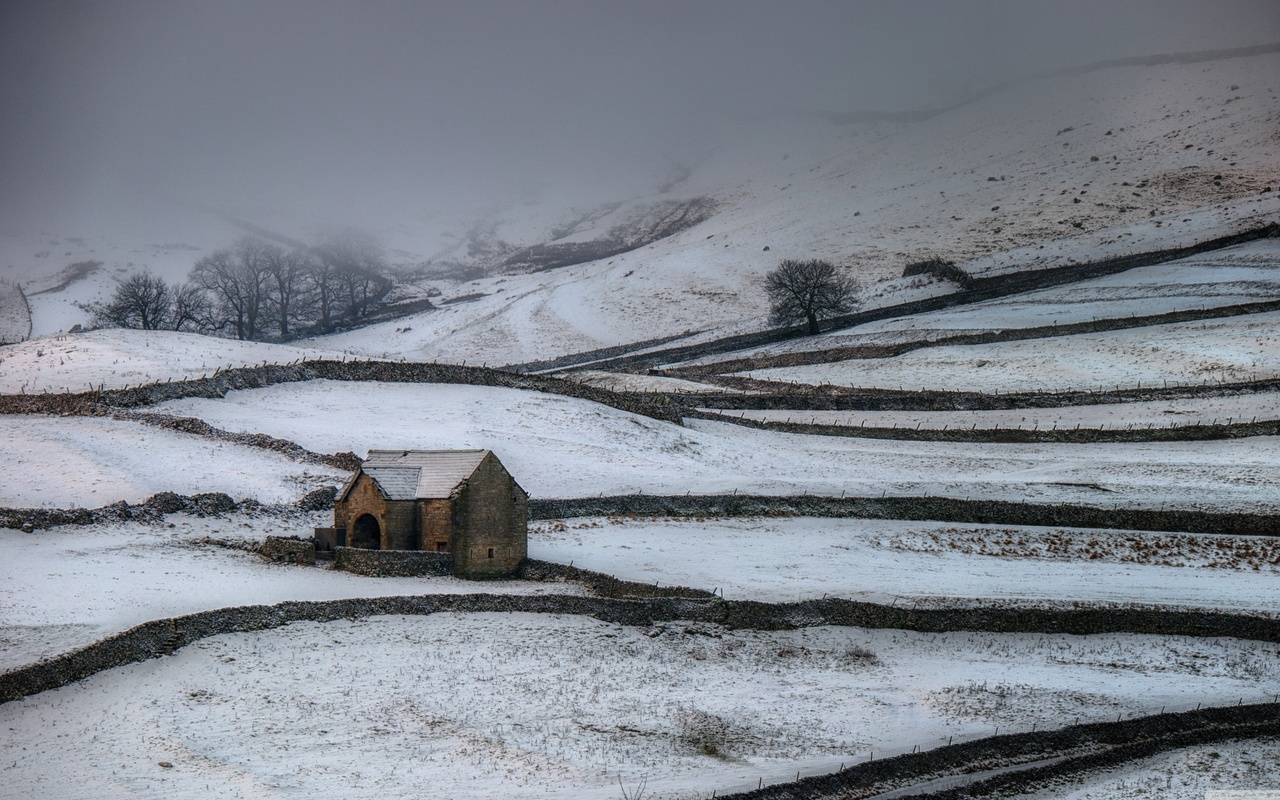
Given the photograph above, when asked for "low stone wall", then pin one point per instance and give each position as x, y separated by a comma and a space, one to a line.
602, 585
772, 395
1179, 433
160, 637
392, 563
1087, 747
941, 509
288, 551
151, 509
586, 357
100, 402
835, 354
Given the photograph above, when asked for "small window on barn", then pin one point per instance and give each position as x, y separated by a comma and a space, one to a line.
442, 547
490, 552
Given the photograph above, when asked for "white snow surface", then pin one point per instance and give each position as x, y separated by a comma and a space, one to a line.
116, 358
519, 705
1185, 353
70, 586
921, 563
93, 461
562, 447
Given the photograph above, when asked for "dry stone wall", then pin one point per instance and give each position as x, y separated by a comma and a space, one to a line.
96, 403
1181, 433
941, 509
1085, 747
160, 637
392, 563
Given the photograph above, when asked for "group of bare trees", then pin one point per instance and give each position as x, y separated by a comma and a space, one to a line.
149, 303
256, 290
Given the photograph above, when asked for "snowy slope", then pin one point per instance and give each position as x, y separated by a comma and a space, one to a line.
1230, 349
872, 196
875, 196
93, 461
921, 563
561, 447
117, 358
520, 705
70, 586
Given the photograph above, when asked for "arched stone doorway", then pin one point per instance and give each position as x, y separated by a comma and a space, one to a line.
366, 533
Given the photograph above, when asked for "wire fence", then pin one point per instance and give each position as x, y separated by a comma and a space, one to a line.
784, 776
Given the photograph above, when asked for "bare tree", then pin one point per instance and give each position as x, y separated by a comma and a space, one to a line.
285, 295
191, 309
359, 267
140, 301
237, 279
806, 291
321, 279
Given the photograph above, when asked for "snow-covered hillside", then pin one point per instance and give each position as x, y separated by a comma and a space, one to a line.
1065, 168
563, 447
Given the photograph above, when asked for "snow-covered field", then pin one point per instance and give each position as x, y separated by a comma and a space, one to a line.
116, 358
1243, 274
488, 705
562, 447
70, 586
1157, 414
1231, 349
92, 461
925, 563
1188, 774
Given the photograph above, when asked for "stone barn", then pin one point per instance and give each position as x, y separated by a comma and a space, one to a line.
460, 502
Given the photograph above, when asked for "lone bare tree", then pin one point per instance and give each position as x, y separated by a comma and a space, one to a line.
139, 301
807, 291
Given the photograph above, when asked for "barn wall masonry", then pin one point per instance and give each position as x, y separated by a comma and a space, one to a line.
492, 537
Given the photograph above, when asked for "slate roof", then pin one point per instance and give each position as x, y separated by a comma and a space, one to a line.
419, 474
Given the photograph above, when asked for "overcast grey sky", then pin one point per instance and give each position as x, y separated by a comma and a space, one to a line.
352, 107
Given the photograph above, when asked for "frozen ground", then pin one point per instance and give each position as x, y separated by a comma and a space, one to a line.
64, 462
1187, 774
1232, 349
70, 586
1158, 414
786, 559
562, 447
116, 358
517, 705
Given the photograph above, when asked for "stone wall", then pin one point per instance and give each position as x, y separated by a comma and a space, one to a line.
288, 550
1085, 747
392, 563
159, 637
842, 398
864, 351
1168, 433
941, 509
96, 403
